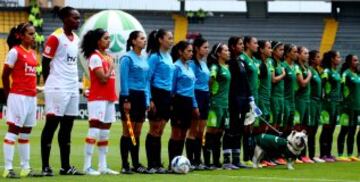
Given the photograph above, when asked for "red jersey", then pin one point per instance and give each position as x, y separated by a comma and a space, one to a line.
98, 90
23, 62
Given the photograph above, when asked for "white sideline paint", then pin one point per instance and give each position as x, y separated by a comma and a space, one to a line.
276, 178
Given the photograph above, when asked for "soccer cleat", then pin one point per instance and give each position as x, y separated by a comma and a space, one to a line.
355, 159
298, 161
151, 170
229, 166
161, 170
140, 169
328, 159
126, 171
248, 163
91, 171
29, 173
318, 160
270, 163
343, 159
241, 165
108, 171
280, 161
47, 171
200, 167
10, 173
71, 171
307, 160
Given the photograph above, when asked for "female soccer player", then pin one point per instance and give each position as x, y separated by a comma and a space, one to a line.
277, 95
351, 93
184, 102
264, 53
134, 99
161, 76
290, 55
61, 90
202, 95
21, 97
101, 99
315, 103
239, 94
331, 80
219, 90
252, 70
302, 95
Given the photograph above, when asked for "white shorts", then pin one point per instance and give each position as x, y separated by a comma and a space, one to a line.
103, 111
62, 103
21, 110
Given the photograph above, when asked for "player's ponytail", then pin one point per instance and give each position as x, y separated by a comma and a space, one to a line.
153, 41
133, 36
13, 38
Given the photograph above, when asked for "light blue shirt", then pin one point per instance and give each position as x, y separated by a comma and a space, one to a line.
161, 70
184, 81
202, 75
134, 70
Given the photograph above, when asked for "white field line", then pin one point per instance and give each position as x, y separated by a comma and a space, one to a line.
276, 178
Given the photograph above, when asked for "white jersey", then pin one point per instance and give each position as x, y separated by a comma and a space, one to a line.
63, 66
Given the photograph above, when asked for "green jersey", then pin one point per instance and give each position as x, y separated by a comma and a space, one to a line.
315, 84
351, 90
277, 89
220, 85
332, 85
265, 80
290, 82
252, 69
303, 93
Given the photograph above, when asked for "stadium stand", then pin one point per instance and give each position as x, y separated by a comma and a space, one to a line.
3, 51
300, 29
9, 19
348, 37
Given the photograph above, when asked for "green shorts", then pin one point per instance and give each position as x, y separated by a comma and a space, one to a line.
315, 111
349, 117
264, 106
289, 114
218, 117
277, 110
330, 112
302, 113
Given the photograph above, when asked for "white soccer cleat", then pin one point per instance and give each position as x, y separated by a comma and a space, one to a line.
91, 171
108, 171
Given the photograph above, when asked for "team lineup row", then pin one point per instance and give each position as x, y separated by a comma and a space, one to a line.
224, 98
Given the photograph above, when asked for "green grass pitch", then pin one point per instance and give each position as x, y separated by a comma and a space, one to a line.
329, 172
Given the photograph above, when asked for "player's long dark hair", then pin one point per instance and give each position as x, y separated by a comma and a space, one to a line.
198, 42
13, 38
346, 65
275, 45
89, 42
153, 41
247, 40
327, 57
133, 36
288, 48
180, 46
213, 58
232, 42
312, 56
262, 44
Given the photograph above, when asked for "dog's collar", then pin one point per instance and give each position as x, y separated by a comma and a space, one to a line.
293, 149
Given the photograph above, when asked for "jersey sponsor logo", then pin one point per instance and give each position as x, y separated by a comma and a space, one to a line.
30, 70
71, 60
